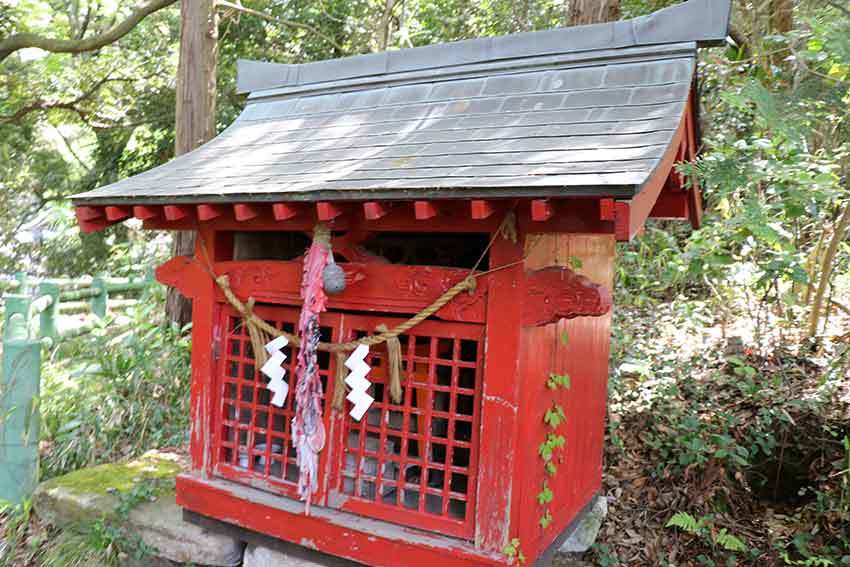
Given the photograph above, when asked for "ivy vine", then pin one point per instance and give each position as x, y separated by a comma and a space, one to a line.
552, 447
514, 551
550, 452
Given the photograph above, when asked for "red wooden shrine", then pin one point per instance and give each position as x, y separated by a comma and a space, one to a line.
418, 160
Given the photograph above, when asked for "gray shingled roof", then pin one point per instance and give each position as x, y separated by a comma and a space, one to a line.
567, 112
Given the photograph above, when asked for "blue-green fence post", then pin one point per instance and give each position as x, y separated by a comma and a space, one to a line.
47, 320
15, 303
100, 301
19, 415
23, 281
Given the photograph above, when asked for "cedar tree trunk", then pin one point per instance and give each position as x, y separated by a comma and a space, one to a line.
196, 92
583, 12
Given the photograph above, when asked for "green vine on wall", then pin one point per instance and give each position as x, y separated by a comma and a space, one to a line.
550, 452
553, 446
513, 550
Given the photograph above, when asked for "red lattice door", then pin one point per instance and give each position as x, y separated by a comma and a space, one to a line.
254, 438
413, 462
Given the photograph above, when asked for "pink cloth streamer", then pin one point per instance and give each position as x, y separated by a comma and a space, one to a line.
308, 429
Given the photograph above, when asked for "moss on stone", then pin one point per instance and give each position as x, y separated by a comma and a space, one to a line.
93, 493
120, 477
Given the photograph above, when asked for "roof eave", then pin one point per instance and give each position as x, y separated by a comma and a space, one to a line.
394, 194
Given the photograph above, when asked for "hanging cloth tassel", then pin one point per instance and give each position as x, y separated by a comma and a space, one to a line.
307, 425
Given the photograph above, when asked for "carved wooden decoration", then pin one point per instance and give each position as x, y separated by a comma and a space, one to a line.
559, 293
369, 286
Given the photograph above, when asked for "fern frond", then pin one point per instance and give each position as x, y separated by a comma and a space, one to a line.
685, 522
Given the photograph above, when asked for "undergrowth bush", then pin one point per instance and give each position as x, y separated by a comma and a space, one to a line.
749, 442
114, 394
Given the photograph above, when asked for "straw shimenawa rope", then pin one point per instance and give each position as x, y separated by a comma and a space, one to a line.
261, 332
246, 311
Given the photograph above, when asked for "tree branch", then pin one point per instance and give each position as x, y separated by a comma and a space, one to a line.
24, 40
70, 148
71, 105
840, 306
290, 23
839, 7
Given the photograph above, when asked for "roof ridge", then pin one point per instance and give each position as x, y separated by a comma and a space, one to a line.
705, 22
639, 54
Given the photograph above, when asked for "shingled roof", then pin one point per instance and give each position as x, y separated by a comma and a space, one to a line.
583, 111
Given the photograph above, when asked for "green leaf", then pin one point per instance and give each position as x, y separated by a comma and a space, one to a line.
685, 522
556, 381
554, 416
545, 496
729, 542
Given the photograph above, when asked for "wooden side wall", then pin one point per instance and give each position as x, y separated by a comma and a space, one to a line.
584, 357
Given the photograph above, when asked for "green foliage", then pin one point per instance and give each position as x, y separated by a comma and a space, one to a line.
15, 520
654, 268
82, 546
548, 447
704, 527
685, 522
545, 496
554, 416
556, 381
109, 397
513, 551
696, 426
604, 555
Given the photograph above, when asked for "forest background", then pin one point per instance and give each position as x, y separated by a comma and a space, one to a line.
729, 422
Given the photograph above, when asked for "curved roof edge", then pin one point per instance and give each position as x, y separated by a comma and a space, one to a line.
703, 21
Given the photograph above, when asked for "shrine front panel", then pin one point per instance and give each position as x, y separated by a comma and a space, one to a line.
413, 461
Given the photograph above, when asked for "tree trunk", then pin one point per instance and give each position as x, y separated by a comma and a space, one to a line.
385, 25
781, 22
842, 226
781, 16
196, 92
582, 12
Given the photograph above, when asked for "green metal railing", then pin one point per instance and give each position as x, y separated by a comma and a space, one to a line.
49, 302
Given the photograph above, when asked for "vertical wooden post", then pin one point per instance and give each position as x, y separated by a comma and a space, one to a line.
500, 399
47, 319
205, 331
100, 302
